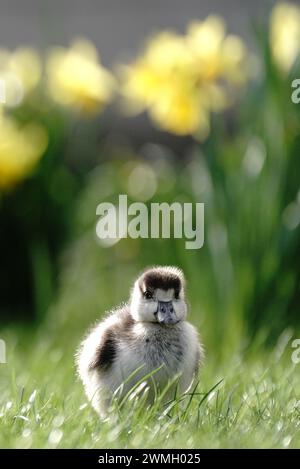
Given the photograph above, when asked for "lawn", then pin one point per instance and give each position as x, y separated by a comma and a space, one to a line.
238, 403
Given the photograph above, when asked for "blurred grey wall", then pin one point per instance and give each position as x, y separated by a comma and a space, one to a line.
117, 27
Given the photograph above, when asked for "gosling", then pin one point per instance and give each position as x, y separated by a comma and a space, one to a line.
148, 336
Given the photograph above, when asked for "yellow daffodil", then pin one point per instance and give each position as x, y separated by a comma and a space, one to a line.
161, 81
77, 79
216, 56
26, 64
181, 113
205, 40
148, 79
20, 73
285, 34
20, 150
179, 79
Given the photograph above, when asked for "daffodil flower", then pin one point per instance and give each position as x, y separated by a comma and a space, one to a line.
21, 148
77, 79
20, 72
285, 34
180, 79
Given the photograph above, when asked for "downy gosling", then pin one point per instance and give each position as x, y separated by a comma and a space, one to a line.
148, 334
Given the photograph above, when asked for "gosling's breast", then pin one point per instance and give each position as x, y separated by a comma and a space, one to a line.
159, 345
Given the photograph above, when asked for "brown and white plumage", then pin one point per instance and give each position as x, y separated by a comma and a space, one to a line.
150, 333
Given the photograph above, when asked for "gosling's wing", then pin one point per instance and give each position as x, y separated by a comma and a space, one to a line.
118, 328
105, 352
99, 349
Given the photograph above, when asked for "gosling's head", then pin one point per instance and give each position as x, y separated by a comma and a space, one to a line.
158, 296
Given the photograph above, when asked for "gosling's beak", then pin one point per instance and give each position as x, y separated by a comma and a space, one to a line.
165, 313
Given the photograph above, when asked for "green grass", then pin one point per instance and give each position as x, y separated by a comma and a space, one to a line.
240, 402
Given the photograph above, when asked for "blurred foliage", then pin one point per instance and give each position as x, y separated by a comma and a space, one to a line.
245, 281
40, 172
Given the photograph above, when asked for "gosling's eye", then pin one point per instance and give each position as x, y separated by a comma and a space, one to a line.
148, 295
